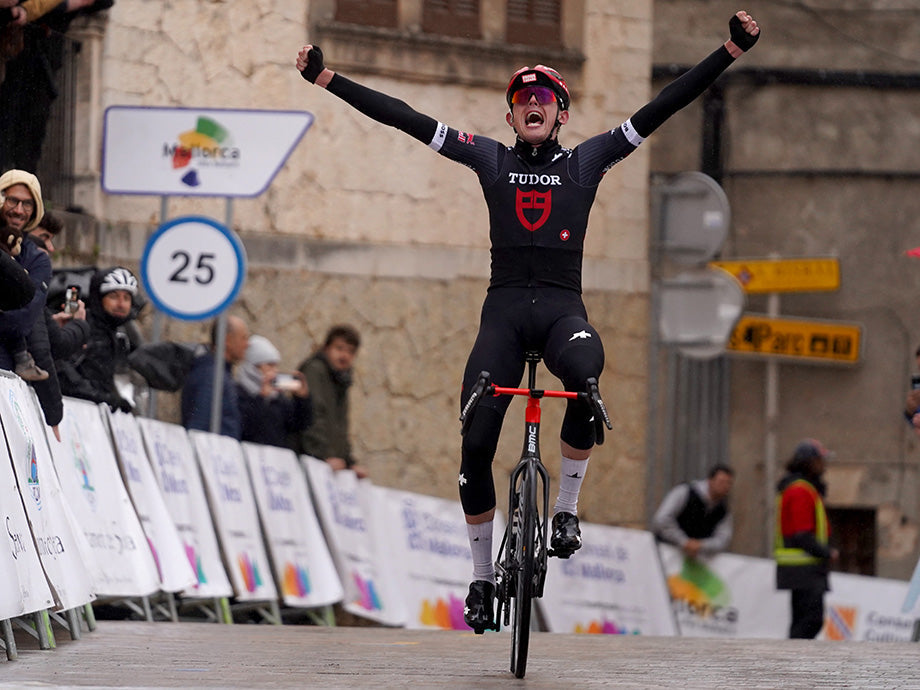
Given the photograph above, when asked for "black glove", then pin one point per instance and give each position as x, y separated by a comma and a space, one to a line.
740, 37
314, 65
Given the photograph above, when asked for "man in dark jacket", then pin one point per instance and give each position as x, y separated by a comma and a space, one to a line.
801, 547
90, 374
21, 210
199, 386
329, 376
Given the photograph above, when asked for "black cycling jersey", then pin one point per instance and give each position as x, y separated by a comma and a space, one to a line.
539, 198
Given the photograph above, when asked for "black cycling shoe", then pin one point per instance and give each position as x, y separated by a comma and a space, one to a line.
566, 538
479, 612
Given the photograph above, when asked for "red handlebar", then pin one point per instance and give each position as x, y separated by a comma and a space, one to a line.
535, 392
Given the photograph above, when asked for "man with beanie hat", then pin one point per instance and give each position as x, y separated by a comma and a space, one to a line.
267, 413
113, 302
801, 546
21, 210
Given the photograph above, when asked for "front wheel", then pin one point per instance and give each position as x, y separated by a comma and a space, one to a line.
524, 556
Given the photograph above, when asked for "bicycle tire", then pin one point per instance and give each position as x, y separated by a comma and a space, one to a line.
525, 549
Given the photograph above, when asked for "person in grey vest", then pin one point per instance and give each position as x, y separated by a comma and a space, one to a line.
695, 517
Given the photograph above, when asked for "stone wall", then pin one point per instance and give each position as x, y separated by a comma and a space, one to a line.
367, 226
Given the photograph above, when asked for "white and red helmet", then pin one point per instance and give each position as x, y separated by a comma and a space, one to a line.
541, 75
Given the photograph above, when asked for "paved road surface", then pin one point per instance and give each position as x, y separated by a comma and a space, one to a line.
126, 654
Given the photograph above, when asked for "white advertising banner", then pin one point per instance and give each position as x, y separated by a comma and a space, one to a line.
122, 564
866, 609
173, 460
303, 565
23, 587
726, 595
345, 523
427, 554
235, 515
174, 568
613, 585
196, 151
55, 540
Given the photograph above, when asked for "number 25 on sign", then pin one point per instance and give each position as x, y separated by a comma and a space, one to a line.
193, 268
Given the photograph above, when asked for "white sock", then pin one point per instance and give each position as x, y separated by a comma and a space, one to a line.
481, 545
570, 478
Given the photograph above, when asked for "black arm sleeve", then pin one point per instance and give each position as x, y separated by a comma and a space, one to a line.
385, 109
681, 92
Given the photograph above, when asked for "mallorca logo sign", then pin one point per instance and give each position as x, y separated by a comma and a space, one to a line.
701, 600
208, 145
196, 151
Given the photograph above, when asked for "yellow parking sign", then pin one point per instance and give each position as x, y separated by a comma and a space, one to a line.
815, 341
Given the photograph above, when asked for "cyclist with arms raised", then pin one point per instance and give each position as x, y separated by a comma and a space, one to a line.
539, 195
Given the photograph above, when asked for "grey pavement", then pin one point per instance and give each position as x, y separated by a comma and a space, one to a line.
126, 654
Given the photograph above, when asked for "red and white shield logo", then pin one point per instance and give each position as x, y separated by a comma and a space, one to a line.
541, 201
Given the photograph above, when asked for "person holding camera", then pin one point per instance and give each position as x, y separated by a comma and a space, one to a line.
91, 373
272, 405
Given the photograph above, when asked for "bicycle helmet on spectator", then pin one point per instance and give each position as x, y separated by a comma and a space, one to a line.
541, 75
118, 279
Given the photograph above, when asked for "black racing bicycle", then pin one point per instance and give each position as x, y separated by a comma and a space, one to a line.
520, 567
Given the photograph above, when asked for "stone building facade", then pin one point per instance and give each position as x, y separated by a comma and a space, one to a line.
365, 225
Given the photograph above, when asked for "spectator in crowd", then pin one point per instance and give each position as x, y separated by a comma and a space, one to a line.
91, 373
199, 386
272, 405
68, 330
15, 340
329, 376
21, 210
802, 551
36, 52
47, 229
695, 516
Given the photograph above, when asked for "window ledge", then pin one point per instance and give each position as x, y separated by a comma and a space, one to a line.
429, 58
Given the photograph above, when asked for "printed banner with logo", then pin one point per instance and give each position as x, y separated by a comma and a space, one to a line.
427, 555
866, 609
303, 565
57, 543
174, 569
86, 467
235, 515
345, 523
23, 587
173, 460
726, 595
613, 585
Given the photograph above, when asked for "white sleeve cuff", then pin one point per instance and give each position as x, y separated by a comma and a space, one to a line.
632, 136
440, 136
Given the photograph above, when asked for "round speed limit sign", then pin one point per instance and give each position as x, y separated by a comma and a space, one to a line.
193, 267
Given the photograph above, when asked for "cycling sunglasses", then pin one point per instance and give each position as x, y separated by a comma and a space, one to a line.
544, 95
